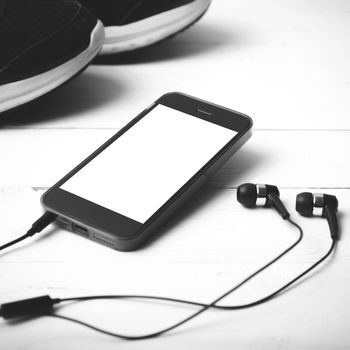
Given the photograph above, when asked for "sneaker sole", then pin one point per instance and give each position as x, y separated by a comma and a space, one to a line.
21, 92
153, 29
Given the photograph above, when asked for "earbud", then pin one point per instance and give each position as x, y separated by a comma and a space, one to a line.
325, 205
250, 195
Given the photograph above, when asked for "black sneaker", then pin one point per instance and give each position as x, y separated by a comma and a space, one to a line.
132, 24
42, 45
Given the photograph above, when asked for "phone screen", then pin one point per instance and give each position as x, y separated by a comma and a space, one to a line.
149, 163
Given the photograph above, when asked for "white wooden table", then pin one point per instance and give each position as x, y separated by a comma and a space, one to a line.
284, 63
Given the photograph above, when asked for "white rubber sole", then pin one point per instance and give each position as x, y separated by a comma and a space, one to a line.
153, 29
20, 92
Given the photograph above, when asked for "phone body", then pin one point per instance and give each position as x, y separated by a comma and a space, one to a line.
122, 193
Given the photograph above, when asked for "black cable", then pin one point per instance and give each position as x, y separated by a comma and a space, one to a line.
182, 301
15, 241
204, 306
187, 319
45, 220
44, 305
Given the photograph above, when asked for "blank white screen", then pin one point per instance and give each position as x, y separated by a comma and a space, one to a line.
149, 163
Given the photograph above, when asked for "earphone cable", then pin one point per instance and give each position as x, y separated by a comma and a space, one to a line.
44, 305
182, 301
15, 241
203, 305
46, 219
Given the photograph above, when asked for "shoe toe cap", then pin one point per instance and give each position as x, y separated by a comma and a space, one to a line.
50, 35
147, 9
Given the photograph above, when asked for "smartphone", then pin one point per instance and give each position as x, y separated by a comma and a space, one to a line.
127, 188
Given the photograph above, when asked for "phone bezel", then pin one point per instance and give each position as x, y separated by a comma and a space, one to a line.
82, 211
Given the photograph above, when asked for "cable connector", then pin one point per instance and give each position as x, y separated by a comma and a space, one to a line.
45, 220
28, 307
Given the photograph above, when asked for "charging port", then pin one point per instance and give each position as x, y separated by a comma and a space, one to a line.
80, 230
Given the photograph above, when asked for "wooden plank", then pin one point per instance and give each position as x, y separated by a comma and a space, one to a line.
285, 64
39, 158
205, 248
